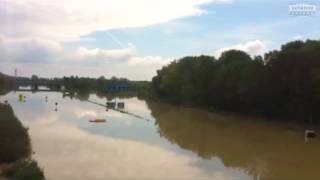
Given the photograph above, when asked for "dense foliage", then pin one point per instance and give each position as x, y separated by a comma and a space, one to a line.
14, 138
28, 170
5, 81
285, 83
15, 148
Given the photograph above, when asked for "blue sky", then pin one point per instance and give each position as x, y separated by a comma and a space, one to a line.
223, 24
136, 40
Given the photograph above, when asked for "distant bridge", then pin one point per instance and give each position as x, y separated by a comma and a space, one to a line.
36, 83
34, 90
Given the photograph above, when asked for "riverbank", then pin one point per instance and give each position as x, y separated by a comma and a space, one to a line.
15, 148
282, 84
150, 95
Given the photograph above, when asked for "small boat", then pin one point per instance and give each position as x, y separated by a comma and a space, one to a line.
97, 120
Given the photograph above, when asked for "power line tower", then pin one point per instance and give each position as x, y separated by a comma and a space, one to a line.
15, 72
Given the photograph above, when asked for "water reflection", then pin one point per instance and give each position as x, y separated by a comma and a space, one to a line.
264, 150
68, 147
68, 152
177, 143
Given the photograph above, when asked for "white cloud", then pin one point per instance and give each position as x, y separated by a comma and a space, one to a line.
28, 49
119, 62
82, 61
297, 37
97, 54
116, 62
69, 19
251, 47
33, 33
148, 61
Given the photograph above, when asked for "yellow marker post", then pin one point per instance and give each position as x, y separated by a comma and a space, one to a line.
21, 98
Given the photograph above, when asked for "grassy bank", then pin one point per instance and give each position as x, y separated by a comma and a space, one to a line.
15, 148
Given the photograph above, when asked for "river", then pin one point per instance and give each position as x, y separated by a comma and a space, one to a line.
169, 142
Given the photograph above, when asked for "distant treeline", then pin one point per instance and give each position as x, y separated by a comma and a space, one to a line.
73, 82
284, 83
100, 84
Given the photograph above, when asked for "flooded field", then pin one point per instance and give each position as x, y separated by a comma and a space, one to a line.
151, 140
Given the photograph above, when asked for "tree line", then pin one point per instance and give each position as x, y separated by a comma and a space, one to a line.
73, 83
99, 84
283, 83
5, 81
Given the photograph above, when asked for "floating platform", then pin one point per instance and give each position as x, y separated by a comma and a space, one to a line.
111, 105
97, 120
310, 133
120, 105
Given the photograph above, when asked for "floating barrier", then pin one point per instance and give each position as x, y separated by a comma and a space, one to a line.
119, 110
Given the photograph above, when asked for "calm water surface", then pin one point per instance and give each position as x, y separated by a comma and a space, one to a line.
170, 143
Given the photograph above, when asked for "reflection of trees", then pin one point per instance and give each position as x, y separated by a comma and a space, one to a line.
122, 95
82, 95
112, 96
258, 147
101, 94
68, 94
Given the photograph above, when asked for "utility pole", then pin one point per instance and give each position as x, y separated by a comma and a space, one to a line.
15, 78
15, 72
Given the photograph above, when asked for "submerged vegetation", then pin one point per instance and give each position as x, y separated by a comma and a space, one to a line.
284, 83
15, 148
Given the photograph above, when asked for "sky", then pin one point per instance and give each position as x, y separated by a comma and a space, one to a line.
134, 38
